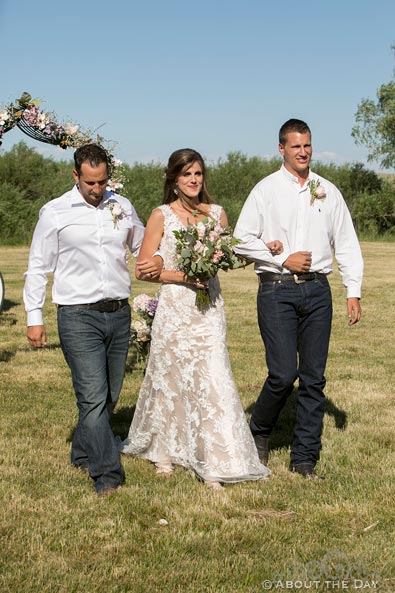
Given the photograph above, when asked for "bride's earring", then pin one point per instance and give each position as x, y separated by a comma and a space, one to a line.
175, 190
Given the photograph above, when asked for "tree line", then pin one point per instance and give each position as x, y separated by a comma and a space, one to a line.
28, 180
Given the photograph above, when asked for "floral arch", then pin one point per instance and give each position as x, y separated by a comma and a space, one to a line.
24, 113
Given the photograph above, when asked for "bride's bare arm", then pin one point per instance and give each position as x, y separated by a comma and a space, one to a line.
223, 219
152, 238
148, 266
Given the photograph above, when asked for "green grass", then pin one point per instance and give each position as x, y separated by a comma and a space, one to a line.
57, 536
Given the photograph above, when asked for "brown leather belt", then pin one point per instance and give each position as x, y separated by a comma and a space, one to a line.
104, 306
296, 278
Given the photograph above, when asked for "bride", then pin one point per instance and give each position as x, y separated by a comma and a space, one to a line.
188, 412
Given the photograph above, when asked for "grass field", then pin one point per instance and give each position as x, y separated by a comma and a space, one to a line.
282, 534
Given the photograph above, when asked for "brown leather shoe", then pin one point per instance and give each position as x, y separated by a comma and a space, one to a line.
262, 446
306, 470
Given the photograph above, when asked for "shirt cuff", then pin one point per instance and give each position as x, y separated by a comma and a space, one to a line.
280, 259
35, 317
353, 293
157, 253
353, 288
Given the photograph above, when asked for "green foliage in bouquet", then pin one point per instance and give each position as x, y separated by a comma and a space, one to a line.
203, 249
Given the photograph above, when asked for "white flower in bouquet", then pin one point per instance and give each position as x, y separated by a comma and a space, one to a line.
201, 229
202, 250
145, 305
140, 332
143, 330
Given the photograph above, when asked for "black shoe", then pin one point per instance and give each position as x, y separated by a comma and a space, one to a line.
306, 470
262, 446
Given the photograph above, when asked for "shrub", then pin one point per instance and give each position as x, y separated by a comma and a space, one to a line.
144, 187
28, 180
38, 177
18, 215
231, 181
374, 214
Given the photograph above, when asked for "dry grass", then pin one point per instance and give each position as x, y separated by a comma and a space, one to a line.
58, 537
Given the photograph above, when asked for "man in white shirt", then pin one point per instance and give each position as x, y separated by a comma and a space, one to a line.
309, 216
82, 237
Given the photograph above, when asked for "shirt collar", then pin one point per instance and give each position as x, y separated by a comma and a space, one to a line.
106, 198
294, 179
77, 198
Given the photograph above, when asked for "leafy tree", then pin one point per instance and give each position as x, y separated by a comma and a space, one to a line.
18, 216
28, 180
38, 177
376, 125
374, 214
352, 180
144, 187
231, 181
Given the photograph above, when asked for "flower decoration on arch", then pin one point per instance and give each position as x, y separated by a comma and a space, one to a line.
25, 114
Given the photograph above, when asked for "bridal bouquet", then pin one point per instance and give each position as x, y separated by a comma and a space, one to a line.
203, 249
144, 307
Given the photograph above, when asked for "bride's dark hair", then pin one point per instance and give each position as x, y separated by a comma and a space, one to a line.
179, 161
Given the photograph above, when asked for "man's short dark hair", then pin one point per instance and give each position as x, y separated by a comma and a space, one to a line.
292, 125
93, 154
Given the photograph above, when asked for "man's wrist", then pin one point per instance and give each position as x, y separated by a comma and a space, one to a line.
35, 317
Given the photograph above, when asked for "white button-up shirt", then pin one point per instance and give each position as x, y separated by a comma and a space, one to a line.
84, 248
279, 208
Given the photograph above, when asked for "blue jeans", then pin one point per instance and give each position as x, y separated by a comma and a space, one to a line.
295, 323
95, 346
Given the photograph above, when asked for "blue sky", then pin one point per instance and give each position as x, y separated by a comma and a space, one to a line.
212, 75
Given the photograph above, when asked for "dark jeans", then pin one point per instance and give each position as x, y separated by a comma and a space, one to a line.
95, 346
295, 324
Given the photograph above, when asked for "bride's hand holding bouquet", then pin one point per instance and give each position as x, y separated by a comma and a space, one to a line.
203, 249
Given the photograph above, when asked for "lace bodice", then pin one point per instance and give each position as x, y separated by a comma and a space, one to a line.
171, 223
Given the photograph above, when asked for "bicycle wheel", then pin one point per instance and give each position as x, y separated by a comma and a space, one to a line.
1, 292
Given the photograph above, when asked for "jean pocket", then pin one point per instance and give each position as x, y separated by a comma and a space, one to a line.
322, 281
125, 311
267, 288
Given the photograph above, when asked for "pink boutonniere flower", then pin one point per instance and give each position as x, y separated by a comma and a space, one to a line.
117, 212
317, 191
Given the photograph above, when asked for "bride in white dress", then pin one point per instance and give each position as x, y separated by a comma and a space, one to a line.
188, 412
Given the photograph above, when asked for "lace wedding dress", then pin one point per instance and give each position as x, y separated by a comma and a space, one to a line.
188, 412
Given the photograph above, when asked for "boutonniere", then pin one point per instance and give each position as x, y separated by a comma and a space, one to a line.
317, 191
117, 212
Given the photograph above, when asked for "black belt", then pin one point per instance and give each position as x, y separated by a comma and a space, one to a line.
296, 278
105, 306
